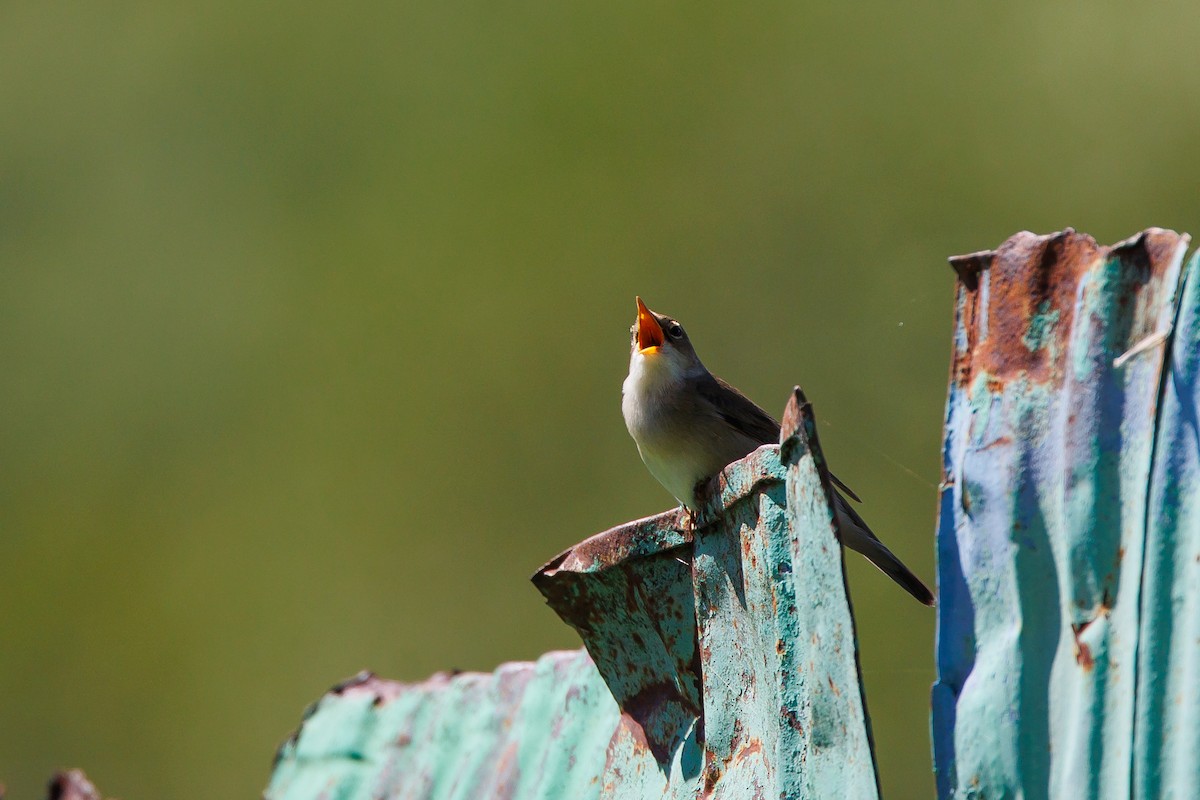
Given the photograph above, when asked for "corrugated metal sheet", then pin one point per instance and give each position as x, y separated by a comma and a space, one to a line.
720, 662
525, 731
1067, 629
1167, 719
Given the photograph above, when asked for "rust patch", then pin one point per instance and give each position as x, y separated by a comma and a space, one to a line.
793, 416
613, 546
970, 266
748, 749
1031, 276
627, 726
630, 725
1083, 656
1030, 285
1083, 653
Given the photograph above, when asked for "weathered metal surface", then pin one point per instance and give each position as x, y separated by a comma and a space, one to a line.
769, 636
720, 662
1064, 537
827, 749
784, 709
528, 730
1167, 722
628, 593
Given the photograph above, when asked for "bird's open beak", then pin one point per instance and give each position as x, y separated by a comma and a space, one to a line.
649, 332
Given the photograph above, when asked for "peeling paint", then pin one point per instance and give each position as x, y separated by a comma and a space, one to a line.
720, 662
1047, 525
1041, 327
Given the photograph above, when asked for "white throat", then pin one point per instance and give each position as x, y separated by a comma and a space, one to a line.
651, 375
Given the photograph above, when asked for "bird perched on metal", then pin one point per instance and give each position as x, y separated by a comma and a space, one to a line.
689, 425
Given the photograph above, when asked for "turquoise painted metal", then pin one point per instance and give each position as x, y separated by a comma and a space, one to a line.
1166, 752
526, 730
1068, 647
720, 661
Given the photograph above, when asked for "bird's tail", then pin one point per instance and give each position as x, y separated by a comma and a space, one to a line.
894, 568
858, 537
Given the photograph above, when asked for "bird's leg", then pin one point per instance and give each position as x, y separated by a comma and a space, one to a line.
689, 520
702, 492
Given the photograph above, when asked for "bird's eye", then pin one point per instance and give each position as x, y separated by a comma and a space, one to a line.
675, 331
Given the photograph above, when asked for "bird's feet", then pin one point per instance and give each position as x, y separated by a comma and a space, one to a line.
702, 496
689, 520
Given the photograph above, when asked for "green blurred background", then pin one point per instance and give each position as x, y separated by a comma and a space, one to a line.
314, 319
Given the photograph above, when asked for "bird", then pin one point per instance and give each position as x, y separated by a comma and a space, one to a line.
689, 424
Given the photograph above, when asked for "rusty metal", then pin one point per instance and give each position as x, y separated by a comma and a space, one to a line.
1067, 542
720, 661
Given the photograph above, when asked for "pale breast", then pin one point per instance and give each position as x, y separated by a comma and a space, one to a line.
682, 442
678, 469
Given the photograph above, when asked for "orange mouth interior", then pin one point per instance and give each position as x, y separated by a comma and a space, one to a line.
649, 332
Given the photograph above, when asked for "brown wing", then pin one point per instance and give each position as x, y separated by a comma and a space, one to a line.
744, 415
738, 411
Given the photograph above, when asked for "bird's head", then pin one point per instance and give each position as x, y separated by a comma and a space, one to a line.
658, 343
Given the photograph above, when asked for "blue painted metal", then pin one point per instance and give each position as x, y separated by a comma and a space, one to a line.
720, 661
1167, 721
1068, 657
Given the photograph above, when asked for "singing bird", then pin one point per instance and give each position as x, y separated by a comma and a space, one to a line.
689, 425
